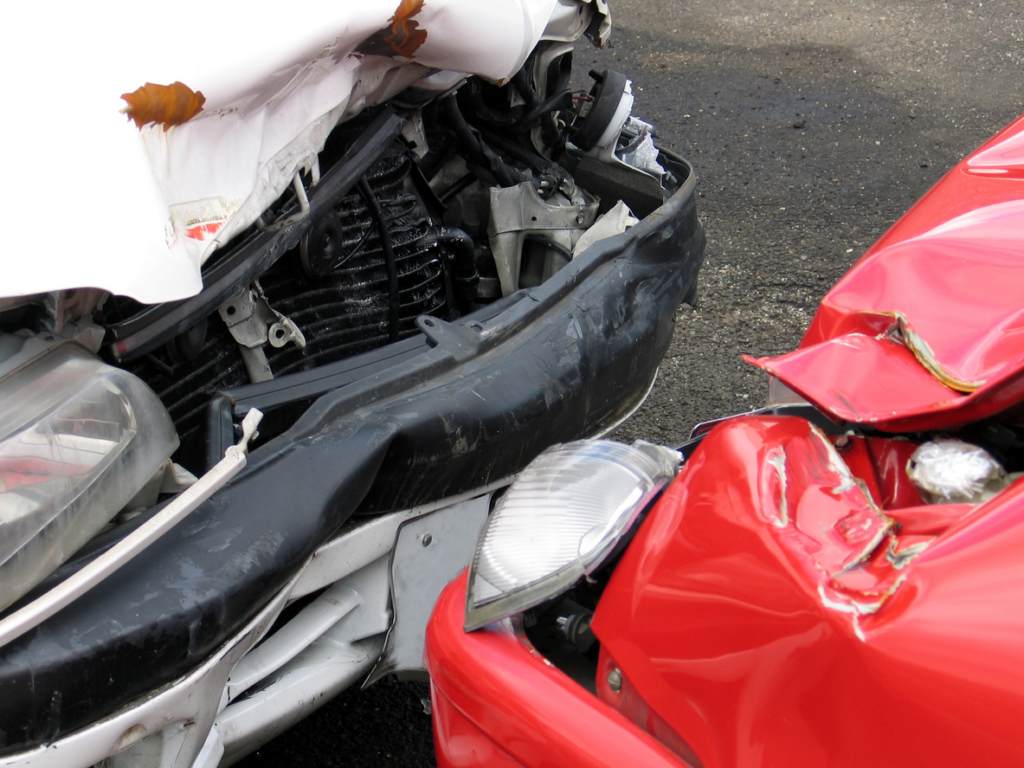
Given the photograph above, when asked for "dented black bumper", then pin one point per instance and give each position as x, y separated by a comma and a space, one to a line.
460, 406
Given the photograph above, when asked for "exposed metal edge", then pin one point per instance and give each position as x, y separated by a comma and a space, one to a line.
285, 644
325, 671
319, 670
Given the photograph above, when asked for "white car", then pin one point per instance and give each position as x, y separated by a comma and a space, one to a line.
287, 299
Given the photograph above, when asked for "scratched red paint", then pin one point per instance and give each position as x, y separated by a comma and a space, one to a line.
744, 638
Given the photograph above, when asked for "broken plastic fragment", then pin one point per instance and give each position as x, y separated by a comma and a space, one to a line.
164, 105
946, 471
642, 154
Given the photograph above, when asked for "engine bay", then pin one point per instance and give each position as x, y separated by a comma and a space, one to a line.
429, 205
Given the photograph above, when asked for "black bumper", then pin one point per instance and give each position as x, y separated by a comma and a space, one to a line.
470, 402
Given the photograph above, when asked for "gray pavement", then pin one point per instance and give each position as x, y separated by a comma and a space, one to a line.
813, 124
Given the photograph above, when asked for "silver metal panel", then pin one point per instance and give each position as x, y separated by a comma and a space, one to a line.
430, 552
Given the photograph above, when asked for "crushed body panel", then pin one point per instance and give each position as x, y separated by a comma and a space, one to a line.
951, 350
813, 643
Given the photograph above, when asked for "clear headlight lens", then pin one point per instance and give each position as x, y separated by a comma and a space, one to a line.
559, 521
78, 439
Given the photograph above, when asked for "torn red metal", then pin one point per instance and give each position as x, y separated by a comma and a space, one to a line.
767, 613
927, 330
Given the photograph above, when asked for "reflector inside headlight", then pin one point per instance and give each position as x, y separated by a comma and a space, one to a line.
78, 439
559, 521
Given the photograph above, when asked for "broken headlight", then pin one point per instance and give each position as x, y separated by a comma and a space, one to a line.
78, 439
559, 521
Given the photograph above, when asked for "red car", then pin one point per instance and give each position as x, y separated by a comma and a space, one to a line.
836, 579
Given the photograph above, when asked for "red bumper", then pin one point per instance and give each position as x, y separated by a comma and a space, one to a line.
498, 703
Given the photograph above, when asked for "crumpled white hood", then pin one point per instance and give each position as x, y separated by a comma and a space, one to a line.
82, 206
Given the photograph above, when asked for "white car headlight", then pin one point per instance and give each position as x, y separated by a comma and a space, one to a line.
78, 439
559, 521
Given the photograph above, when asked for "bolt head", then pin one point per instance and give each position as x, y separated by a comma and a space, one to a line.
615, 680
427, 538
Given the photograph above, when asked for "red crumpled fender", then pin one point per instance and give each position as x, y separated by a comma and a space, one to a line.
772, 615
926, 331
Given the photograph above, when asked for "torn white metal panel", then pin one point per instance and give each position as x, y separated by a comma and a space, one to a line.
275, 84
613, 222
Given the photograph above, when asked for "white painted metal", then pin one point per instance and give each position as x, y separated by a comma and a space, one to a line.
275, 85
287, 642
341, 657
430, 552
324, 670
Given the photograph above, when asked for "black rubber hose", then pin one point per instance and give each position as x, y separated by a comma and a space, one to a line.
394, 298
522, 83
521, 153
457, 187
461, 129
475, 147
542, 167
547, 242
463, 247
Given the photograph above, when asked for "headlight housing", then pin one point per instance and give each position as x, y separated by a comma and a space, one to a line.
78, 439
559, 521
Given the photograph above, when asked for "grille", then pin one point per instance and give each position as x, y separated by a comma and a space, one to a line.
343, 313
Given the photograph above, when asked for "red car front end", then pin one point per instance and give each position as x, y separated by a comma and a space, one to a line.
838, 581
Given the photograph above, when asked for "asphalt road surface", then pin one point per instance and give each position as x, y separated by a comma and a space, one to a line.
813, 124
